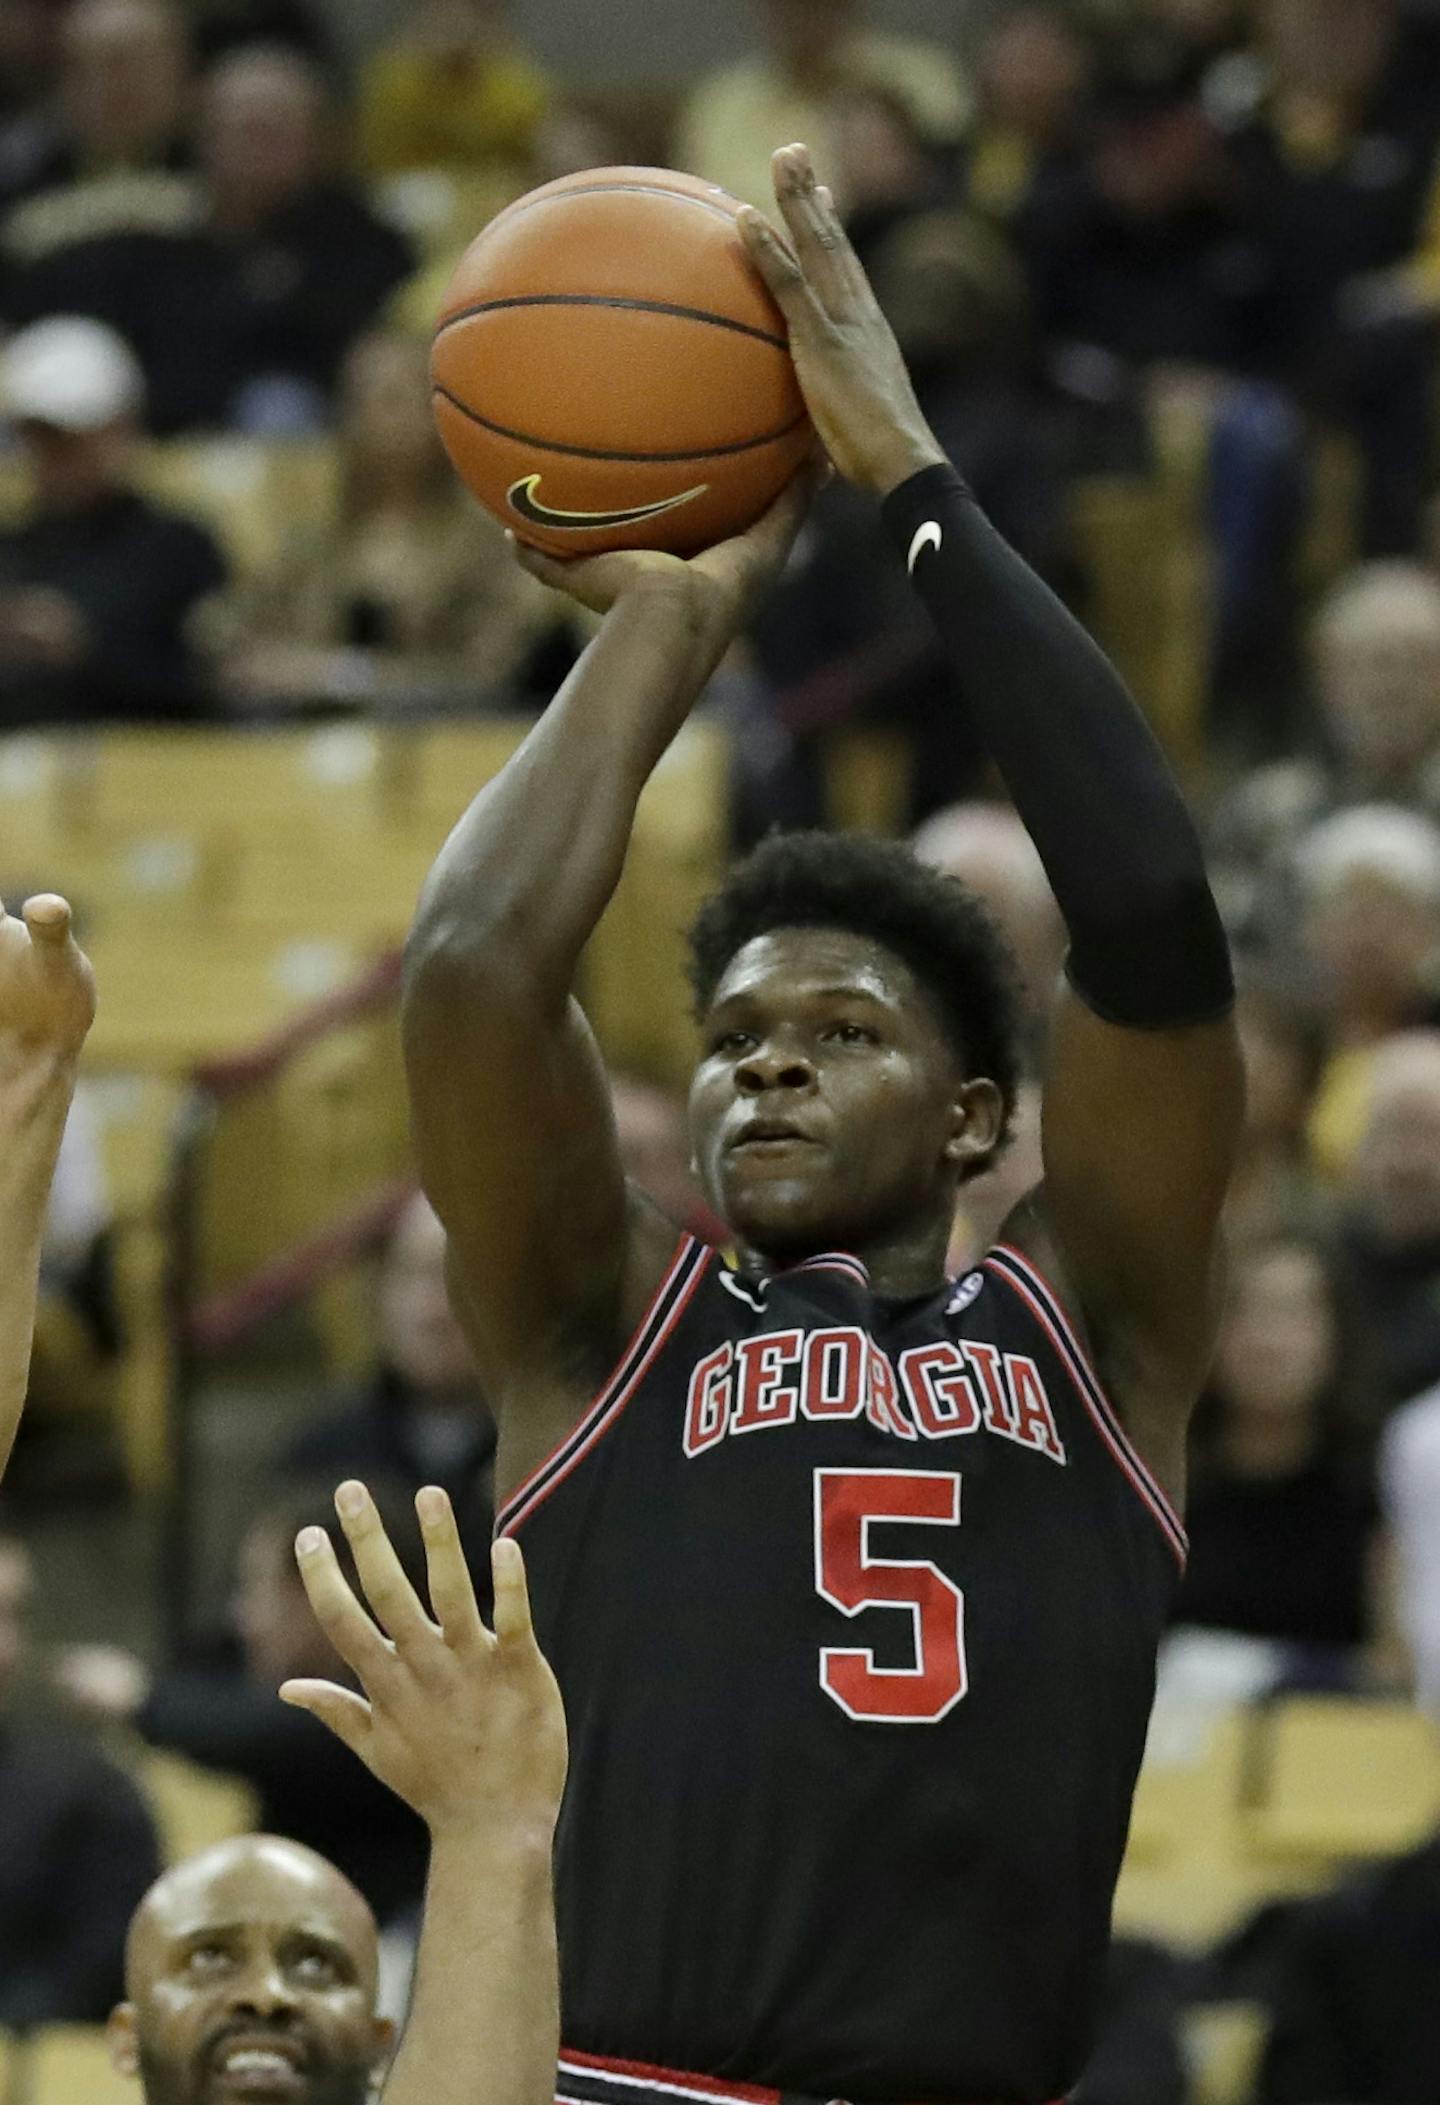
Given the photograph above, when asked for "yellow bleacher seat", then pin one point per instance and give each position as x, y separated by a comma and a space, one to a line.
1189, 1873
1342, 1778
1223, 2045
634, 973
202, 778
868, 781
71, 2065
170, 1002
353, 887
435, 771
193, 1807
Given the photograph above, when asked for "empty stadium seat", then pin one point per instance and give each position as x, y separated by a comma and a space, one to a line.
193, 1807
71, 2065
1341, 1778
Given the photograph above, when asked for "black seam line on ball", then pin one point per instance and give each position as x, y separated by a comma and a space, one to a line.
604, 299
527, 438
680, 197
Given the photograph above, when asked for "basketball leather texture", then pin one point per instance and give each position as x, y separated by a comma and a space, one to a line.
610, 372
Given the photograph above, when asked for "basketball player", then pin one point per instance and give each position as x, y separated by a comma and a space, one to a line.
251, 1969
47, 1004
852, 1574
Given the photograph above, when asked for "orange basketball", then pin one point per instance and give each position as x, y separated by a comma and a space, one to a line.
610, 372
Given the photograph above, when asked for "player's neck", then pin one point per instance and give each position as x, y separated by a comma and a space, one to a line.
901, 1265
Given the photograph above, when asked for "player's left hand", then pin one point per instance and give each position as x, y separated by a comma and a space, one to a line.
465, 1725
850, 367
47, 989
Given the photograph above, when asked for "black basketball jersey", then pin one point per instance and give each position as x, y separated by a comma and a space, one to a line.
854, 1603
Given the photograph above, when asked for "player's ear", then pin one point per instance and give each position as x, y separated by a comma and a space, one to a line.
977, 1114
123, 2040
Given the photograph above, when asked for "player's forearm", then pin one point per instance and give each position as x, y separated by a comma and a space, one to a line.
1087, 777
484, 2026
34, 1100
527, 873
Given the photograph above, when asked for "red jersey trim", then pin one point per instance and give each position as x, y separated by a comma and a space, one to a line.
673, 2082
599, 2069
669, 1301
1036, 1291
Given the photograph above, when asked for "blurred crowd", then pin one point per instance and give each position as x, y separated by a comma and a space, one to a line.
1094, 226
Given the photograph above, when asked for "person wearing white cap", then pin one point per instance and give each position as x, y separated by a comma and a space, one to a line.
97, 585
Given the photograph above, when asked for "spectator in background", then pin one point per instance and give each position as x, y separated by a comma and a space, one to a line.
202, 2017
1369, 888
222, 26
223, 1712
30, 138
121, 130
817, 52
1391, 1200
77, 1850
1353, 2007
1337, 166
242, 317
1284, 1050
1031, 75
98, 586
1375, 652
1410, 1492
1280, 1512
419, 1417
410, 592
988, 849
455, 91
654, 1142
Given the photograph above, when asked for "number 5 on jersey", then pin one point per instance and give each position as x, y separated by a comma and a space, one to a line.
847, 1503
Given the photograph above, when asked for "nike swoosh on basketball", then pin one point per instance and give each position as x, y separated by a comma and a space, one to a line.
523, 498
926, 536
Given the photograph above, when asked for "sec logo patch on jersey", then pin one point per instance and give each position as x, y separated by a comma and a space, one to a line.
966, 1292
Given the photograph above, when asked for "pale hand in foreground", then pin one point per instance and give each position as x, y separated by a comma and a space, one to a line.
47, 989
464, 1724
850, 367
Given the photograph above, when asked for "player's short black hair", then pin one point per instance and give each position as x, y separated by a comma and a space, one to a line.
940, 928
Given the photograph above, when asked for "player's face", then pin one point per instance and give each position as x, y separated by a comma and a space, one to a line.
257, 1984
828, 1109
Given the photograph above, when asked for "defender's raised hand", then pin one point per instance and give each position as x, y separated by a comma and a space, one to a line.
853, 376
47, 990
464, 1724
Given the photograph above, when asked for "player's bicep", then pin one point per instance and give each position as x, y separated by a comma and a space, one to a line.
517, 1149
1139, 1136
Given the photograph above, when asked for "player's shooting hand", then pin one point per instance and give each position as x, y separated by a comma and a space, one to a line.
719, 587
851, 371
464, 1724
47, 989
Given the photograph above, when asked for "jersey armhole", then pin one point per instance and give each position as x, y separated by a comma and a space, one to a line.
1024, 1278
687, 1267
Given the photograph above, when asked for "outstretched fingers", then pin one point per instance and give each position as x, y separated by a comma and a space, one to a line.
350, 1630
48, 917
345, 1714
392, 1599
452, 1593
514, 1629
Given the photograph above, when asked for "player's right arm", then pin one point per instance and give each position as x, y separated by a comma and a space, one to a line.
47, 1003
552, 1258
468, 1728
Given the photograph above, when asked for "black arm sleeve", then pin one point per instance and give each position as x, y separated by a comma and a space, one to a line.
1147, 948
